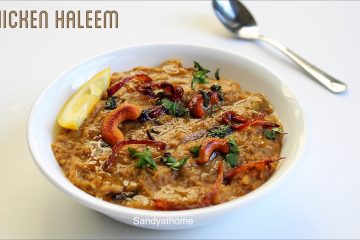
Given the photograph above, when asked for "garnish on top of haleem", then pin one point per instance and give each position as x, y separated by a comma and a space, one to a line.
167, 137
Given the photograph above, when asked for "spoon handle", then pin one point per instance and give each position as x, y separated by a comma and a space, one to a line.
320, 76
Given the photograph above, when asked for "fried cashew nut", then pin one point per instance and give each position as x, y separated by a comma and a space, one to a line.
198, 105
110, 131
212, 145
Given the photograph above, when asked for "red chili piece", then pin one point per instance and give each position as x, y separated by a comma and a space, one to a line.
230, 116
171, 91
255, 165
118, 85
152, 113
196, 106
147, 89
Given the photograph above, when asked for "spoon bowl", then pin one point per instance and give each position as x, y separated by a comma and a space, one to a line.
233, 15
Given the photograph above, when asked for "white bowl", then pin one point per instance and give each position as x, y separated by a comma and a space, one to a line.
251, 75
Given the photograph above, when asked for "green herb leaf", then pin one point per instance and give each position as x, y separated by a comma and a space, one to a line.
234, 148
145, 158
217, 76
198, 67
199, 78
272, 133
172, 163
169, 105
195, 151
220, 131
132, 152
110, 103
232, 158
199, 75
174, 108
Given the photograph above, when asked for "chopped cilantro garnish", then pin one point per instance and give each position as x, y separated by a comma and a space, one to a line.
198, 67
272, 133
199, 75
173, 163
232, 158
174, 108
233, 146
145, 158
220, 131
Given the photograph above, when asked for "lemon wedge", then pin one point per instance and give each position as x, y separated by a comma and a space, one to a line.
80, 104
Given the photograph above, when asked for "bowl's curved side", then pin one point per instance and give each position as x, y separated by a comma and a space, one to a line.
253, 76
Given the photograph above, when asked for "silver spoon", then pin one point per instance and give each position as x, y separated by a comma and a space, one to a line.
239, 20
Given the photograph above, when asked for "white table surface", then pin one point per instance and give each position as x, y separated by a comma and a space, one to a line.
320, 200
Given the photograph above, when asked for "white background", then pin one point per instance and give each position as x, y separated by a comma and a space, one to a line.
320, 200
